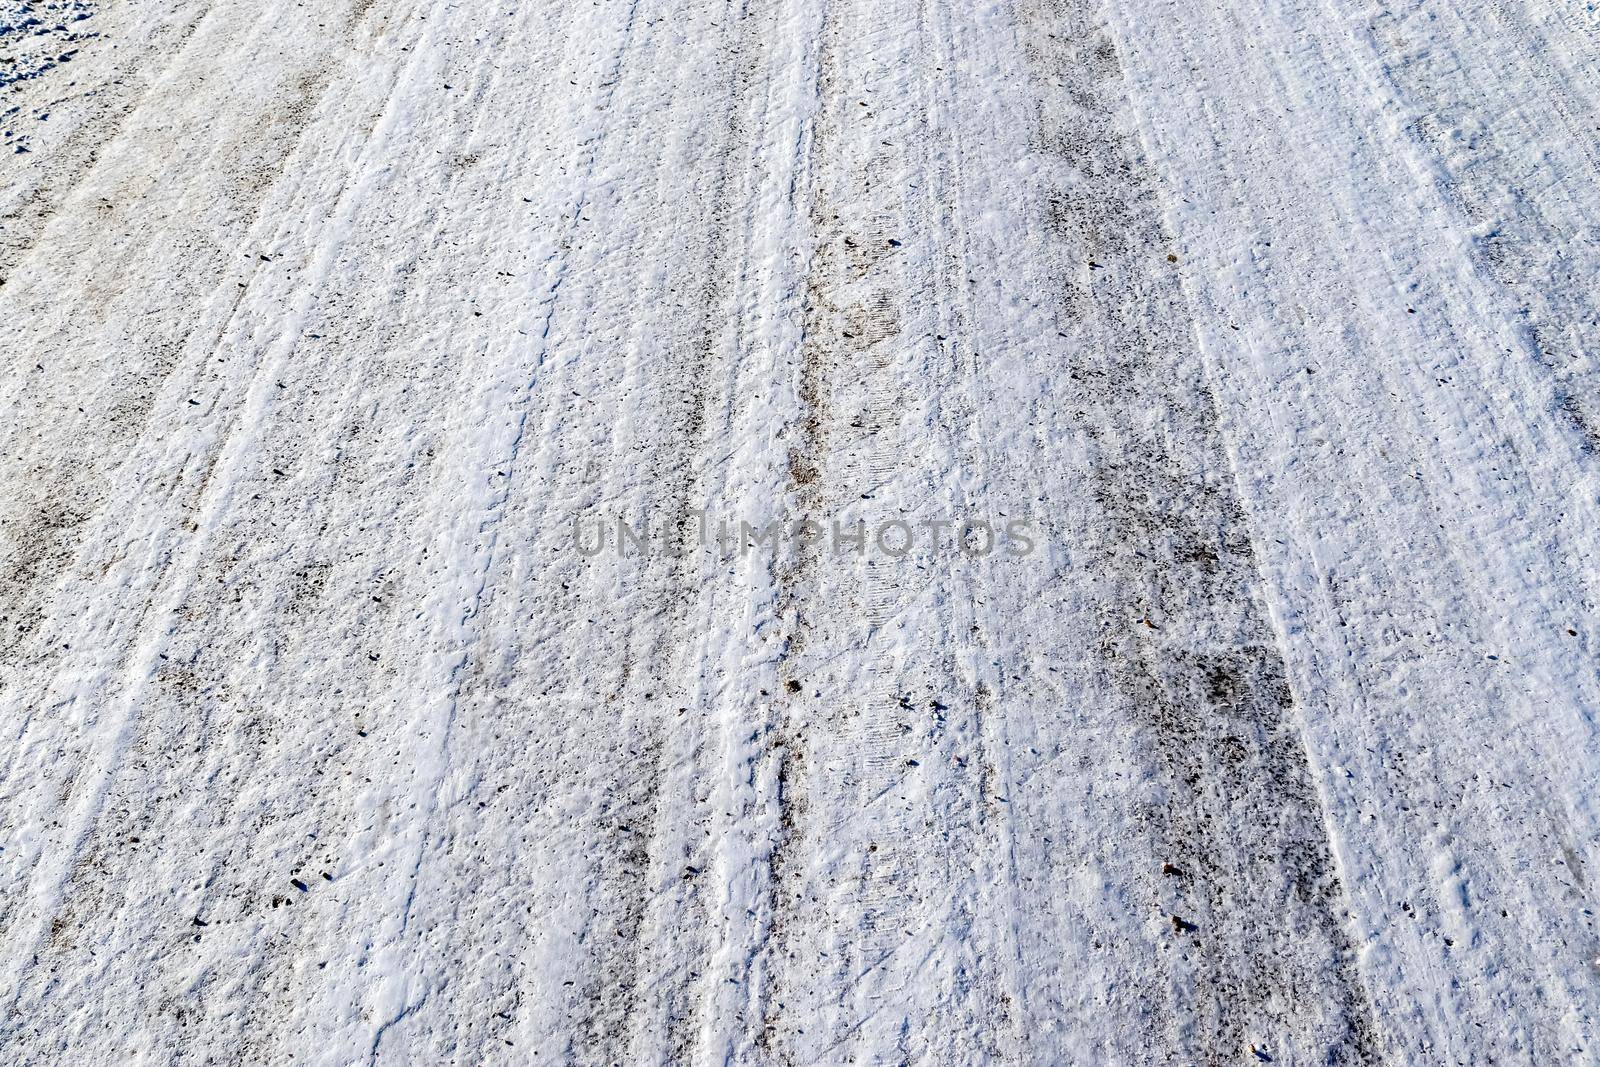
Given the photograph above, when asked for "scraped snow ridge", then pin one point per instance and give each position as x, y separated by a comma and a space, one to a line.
799, 532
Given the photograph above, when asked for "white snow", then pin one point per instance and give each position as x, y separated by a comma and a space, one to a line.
326, 327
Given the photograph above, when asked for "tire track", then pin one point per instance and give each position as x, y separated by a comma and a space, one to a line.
1254, 905
1403, 502
632, 989
876, 948
96, 789
71, 478
1521, 213
675, 1004
648, 341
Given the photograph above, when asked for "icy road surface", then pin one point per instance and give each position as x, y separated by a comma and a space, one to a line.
325, 742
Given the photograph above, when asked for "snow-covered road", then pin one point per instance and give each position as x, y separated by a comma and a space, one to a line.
398, 665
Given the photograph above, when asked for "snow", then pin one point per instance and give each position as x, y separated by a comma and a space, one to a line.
324, 324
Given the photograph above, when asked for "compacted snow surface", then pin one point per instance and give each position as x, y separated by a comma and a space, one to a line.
340, 723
